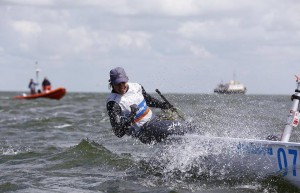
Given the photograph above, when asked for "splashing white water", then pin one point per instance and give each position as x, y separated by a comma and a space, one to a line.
9, 151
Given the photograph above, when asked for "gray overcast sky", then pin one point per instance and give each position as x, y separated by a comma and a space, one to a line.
178, 46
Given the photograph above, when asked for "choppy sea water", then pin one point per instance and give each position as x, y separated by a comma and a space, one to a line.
68, 146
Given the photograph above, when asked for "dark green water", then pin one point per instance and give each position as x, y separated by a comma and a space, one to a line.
68, 146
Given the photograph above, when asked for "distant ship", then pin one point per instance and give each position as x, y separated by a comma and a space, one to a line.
233, 87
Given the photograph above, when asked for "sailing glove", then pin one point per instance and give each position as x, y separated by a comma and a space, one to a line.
167, 105
134, 109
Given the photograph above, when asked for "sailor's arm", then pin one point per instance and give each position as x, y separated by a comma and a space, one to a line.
120, 124
153, 102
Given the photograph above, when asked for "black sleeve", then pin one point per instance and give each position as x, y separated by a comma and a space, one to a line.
119, 123
153, 102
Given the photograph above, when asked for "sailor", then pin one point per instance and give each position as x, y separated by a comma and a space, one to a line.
32, 86
128, 107
46, 85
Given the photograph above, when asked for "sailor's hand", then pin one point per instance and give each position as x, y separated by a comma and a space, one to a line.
134, 108
129, 131
168, 106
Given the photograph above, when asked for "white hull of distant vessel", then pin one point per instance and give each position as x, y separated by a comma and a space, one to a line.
232, 87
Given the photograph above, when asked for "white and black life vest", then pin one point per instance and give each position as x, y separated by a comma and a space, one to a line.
133, 96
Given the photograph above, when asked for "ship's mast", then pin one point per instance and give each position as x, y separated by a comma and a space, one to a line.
293, 117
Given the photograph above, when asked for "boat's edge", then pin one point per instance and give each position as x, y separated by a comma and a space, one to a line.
53, 94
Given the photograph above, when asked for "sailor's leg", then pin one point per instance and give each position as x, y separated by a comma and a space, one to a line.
160, 129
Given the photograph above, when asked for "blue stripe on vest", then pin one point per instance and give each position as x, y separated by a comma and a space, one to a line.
142, 108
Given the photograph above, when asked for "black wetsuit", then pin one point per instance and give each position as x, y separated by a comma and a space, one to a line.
153, 130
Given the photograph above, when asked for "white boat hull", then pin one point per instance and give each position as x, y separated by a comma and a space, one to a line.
243, 157
269, 157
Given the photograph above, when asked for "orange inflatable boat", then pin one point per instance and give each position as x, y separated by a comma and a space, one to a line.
52, 94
